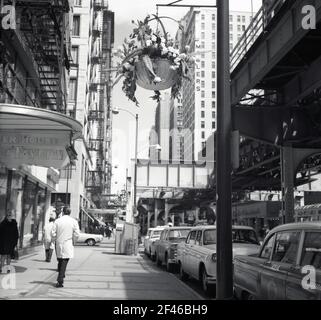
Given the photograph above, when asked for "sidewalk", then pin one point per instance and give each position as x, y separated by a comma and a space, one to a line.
95, 273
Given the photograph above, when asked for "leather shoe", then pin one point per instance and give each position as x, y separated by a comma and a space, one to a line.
59, 285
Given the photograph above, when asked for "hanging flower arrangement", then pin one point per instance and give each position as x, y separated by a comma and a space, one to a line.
152, 60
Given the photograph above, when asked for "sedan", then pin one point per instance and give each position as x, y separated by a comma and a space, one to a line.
89, 239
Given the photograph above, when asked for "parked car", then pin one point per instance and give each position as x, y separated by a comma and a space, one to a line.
146, 245
89, 239
288, 265
154, 235
197, 255
166, 246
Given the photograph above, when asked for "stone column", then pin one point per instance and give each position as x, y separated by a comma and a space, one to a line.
166, 211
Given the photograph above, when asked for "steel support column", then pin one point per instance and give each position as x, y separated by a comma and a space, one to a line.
148, 220
287, 184
224, 283
166, 212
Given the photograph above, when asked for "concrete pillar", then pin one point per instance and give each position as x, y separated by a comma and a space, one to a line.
148, 220
156, 212
173, 219
287, 176
166, 211
182, 216
197, 212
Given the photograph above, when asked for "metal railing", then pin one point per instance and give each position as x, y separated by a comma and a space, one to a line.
253, 31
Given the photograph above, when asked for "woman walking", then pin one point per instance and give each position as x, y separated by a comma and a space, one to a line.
8, 238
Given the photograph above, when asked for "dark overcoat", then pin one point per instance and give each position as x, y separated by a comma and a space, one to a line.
8, 236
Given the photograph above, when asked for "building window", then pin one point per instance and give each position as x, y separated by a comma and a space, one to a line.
203, 134
77, 3
243, 19
213, 114
76, 26
203, 16
213, 17
203, 45
72, 89
202, 74
213, 64
213, 74
213, 55
203, 55
203, 25
203, 35
231, 37
243, 28
213, 125
213, 94
203, 64
231, 46
202, 114
203, 94
213, 36
231, 27
203, 124
66, 173
213, 84
231, 18
203, 149
238, 28
75, 54
203, 104
238, 18
213, 46
198, 74
213, 104
213, 26
203, 84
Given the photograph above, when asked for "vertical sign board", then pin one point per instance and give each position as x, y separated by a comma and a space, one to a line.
41, 148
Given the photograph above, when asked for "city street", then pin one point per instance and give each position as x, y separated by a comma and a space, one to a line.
96, 273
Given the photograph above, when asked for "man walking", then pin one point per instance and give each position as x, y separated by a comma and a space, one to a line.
47, 241
65, 232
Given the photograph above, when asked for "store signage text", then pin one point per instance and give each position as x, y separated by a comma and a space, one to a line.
8, 17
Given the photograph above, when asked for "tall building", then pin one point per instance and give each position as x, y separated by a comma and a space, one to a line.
82, 184
36, 128
199, 95
176, 143
160, 133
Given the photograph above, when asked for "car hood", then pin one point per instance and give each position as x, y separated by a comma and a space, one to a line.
240, 248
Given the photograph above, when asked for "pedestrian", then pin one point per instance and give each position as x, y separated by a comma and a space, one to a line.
65, 232
47, 240
108, 232
9, 236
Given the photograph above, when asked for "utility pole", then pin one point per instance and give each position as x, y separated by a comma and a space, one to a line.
224, 266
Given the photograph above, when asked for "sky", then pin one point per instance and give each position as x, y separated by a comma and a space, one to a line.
123, 146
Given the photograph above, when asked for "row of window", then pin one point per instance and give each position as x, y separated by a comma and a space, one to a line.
239, 18
213, 104
203, 93
203, 114
203, 125
202, 74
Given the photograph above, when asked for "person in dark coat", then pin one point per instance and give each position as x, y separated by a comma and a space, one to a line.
9, 236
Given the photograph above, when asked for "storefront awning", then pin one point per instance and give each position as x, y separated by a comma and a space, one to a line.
89, 216
36, 136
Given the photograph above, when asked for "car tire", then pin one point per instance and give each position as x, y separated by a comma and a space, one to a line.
153, 257
247, 296
158, 261
207, 288
182, 274
90, 242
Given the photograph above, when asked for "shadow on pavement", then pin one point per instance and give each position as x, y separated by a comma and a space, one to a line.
51, 283
17, 269
50, 269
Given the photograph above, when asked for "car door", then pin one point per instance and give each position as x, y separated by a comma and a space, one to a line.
188, 256
159, 245
196, 254
274, 272
303, 280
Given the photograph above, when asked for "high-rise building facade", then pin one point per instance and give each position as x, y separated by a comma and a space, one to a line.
82, 184
199, 96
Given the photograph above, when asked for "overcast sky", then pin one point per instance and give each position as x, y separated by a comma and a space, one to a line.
123, 123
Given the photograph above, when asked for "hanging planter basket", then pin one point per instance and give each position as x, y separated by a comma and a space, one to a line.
162, 69
152, 60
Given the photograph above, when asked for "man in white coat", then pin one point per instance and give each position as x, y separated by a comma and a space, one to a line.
65, 232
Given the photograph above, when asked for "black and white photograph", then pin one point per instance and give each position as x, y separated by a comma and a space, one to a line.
161, 152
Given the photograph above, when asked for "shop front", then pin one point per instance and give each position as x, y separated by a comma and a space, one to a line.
30, 157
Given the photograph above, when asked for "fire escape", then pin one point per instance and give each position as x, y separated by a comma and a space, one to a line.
99, 113
42, 27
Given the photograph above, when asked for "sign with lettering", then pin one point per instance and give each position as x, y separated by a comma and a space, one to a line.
40, 148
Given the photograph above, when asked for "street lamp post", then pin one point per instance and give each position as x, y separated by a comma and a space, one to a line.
116, 111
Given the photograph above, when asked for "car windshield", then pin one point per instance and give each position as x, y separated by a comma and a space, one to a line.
177, 234
244, 236
209, 237
156, 233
